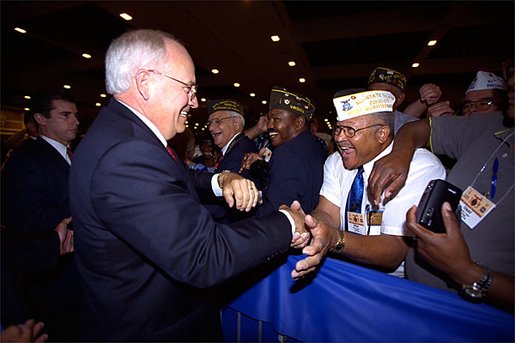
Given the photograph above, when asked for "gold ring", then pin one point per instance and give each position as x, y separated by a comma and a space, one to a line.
251, 188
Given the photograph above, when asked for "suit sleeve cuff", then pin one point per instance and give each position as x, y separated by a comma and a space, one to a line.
290, 218
214, 185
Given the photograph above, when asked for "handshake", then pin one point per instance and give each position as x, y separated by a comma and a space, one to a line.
313, 236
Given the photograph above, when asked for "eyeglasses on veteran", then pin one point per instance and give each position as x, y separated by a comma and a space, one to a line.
481, 104
350, 131
218, 121
191, 87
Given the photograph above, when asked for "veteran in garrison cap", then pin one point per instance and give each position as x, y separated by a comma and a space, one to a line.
363, 133
296, 167
386, 79
486, 93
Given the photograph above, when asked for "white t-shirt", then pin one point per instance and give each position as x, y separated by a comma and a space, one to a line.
424, 167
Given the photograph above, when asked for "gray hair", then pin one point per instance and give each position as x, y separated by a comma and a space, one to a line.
134, 50
236, 114
385, 118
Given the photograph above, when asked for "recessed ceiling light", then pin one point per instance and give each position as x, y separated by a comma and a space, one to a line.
86, 55
326, 120
20, 30
26, 109
215, 71
67, 86
415, 65
98, 104
275, 38
236, 84
252, 94
102, 95
203, 99
431, 42
125, 16
291, 63
302, 80
263, 102
27, 97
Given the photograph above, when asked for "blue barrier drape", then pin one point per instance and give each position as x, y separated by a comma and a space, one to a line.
346, 302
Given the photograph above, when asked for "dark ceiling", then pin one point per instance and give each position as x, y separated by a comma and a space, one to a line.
335, 44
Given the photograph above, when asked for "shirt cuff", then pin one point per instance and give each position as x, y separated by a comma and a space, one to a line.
290, 218
214, 185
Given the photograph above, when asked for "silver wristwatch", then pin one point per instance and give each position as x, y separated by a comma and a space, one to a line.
478, 289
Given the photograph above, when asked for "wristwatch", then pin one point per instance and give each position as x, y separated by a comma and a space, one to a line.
478, 289
221, 178
340, 245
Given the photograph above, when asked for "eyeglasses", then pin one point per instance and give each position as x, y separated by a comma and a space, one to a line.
218, 121
191, 87
350, 131
480, 105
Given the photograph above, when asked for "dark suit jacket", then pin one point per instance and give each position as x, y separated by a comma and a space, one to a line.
146, 248
34, 200
234, 155
296, 172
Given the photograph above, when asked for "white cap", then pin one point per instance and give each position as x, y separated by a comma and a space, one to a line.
358, 104
486, 80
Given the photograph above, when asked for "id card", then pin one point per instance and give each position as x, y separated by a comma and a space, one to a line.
356, 223
474, 207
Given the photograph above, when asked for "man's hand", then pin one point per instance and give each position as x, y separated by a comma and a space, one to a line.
65, 236
248, 159
239, 192
301, 235
430, 94
440, 109
389, 175
448, 252
26, 332
323, 239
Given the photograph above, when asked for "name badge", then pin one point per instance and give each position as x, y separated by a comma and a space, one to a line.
356, 223
474, 207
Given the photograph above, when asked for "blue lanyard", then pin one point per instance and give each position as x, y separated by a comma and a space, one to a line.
493, 186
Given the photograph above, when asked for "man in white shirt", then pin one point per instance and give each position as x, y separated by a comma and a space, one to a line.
375, 237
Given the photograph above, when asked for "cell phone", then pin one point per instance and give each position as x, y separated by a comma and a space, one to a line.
429, 210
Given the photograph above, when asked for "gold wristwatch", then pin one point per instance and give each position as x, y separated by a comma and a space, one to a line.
478, 289
340, 245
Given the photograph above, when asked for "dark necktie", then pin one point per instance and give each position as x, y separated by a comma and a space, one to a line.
355, 195
171, 152
218, 160
69, 152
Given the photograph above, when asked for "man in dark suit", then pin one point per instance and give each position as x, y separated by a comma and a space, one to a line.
146, 248
296, 168
37, 246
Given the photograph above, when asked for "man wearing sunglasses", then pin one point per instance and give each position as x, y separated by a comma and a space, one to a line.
375, 237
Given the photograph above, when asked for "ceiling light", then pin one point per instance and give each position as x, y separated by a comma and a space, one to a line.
275, 38
302, 80
86, 55
291, 63
20, 30
431, 42
67, 86
415, 65
215, 71
98, 104
27, 97
203, 99
102, 95
263, 102
236, 84
26, 109
125, 16
326, 120
252, 94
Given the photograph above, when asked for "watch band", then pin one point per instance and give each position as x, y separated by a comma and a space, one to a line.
479, 289
340, 245
221, 178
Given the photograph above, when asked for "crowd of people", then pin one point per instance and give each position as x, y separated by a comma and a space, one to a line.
129, 236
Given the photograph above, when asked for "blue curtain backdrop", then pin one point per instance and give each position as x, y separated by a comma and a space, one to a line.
346, 302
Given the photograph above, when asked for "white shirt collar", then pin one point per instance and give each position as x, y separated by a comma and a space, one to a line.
226, 146
147, 122
61, 148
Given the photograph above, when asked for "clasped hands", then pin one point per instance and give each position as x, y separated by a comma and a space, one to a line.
240, 192
313, 236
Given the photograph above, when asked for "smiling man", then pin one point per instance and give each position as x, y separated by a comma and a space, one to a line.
146, 248
364, 133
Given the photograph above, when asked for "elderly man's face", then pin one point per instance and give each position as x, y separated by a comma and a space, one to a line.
485, 100
223, 125
361, 148
281, 126
171, 100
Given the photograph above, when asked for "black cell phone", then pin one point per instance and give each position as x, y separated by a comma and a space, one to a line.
429, 210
